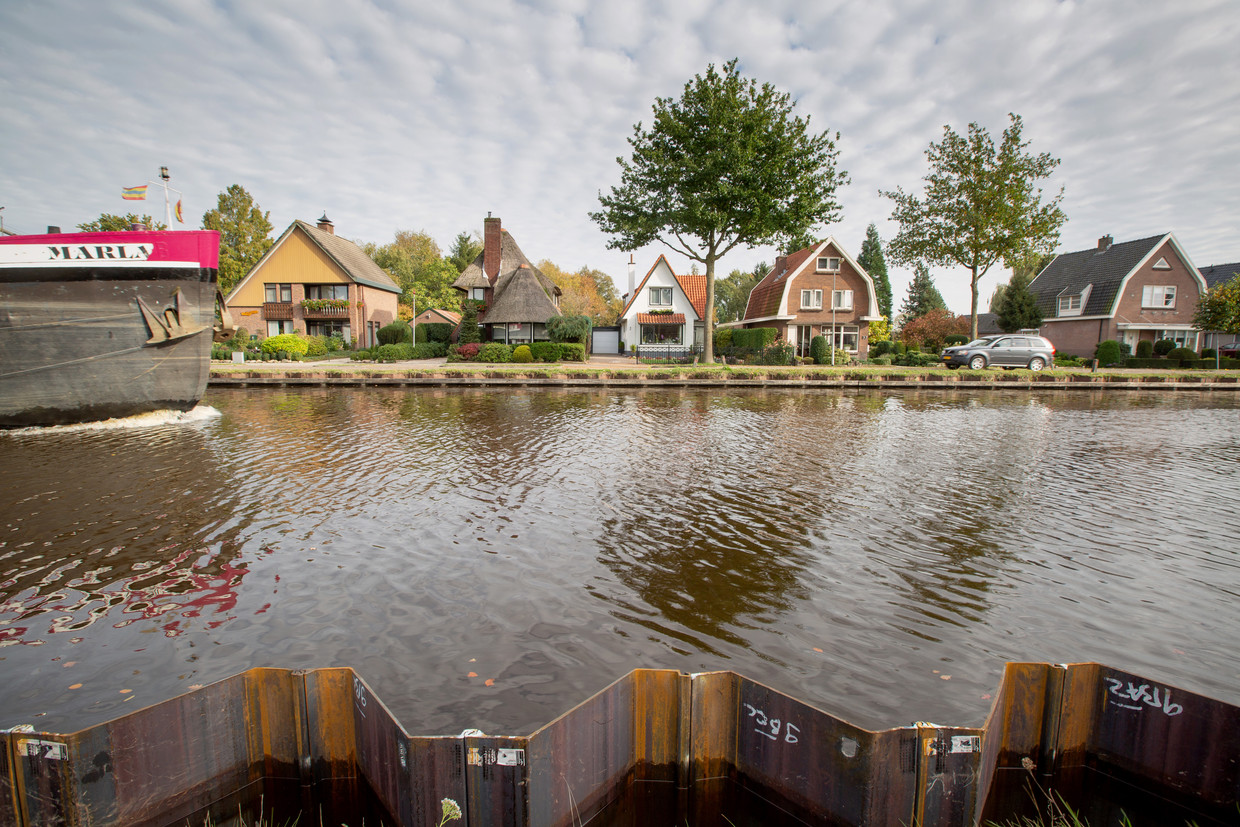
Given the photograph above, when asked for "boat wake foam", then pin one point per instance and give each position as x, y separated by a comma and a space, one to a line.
199, 414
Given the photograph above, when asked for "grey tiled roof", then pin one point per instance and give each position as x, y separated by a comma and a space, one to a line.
521, 297
1217, 274
359, 266
1104, 269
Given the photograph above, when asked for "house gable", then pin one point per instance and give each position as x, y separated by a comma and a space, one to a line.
778, 295
688, 293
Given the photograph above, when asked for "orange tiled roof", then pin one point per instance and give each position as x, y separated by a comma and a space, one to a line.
660, 318
765, 297
695, 290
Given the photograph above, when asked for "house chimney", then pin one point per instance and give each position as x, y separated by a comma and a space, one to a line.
491, 233
1104, 243
325, 224
632, 274
781, 264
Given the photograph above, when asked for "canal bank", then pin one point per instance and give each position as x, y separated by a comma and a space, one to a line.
619, 371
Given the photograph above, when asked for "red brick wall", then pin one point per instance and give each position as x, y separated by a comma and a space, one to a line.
491, 234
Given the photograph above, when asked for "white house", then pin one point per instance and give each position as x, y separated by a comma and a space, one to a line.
666, 312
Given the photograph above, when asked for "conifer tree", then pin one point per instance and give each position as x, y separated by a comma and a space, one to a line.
872, 261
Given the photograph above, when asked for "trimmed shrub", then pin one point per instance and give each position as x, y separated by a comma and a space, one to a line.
394, 333
917, 359
1181, 354
286, 342
360, 356
1208, 353
1145, 349
545, 351
819, 348
572, 352
434, 332
467, 352
521, 353
881, 348
723, 338
429, 350
955, 339
754, 338
394, 353
1163, 346
912, 347
568, 329
494, 352
316, 346
1108, 352
1138, 362
881, 360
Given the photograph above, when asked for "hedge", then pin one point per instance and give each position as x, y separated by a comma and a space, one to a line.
430, 350
754, 338
435, 332
572, 352
495, 353
545, 351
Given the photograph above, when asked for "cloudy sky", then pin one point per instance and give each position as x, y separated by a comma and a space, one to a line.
423, 115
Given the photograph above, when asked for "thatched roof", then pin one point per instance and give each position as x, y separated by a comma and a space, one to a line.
472, 276
510, 260
520, 296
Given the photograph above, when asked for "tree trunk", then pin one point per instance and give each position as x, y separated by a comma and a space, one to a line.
973, 307
708, 322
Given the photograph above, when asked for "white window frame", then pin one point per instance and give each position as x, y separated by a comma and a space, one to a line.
478, 293
844, 335
842, 300
1158, 296
656, 295
828, 264
1070, 303
815, 300
275, 327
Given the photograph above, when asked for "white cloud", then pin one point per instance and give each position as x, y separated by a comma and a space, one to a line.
390, 115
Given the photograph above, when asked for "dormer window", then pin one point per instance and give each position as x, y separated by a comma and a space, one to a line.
1069, 303
477, 293
828, 264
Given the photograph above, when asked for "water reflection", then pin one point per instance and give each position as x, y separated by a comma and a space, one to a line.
491, 557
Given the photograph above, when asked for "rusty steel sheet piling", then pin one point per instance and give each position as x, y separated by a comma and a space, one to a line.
656, 746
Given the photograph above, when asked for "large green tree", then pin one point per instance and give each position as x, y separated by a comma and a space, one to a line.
982, 204
245, 233
922, 296
726, 164
1219, 307
414, 261
587, 292
465, 248
1014, 305
872, 261
108, 223
732, 293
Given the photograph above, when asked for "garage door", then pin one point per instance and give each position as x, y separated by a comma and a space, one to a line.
605, 340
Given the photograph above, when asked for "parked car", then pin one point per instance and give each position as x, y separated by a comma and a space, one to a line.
1010, 350
1231, 350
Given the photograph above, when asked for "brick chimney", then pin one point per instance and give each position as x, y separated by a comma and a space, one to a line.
491, 232
325, 224
781, 264
1104, 243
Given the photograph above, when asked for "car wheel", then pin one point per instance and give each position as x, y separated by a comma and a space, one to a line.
1036, 363
977, 362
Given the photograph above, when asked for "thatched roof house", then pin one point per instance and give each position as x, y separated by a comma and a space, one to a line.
517, 297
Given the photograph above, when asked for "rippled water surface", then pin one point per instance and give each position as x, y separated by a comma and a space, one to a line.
490, 558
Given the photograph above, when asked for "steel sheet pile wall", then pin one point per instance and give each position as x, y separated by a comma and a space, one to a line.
656, 746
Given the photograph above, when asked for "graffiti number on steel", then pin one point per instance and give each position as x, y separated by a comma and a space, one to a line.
769, 727
1141, 697
359, 696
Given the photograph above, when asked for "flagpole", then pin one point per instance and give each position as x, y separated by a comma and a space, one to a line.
164, 176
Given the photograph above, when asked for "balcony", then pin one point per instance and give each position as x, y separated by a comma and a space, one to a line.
325, 312
277, 311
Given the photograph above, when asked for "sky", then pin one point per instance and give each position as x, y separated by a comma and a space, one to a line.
390, 115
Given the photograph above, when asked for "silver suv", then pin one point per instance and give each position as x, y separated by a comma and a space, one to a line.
1010, 350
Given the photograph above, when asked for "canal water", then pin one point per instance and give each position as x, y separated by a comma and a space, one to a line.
490, 558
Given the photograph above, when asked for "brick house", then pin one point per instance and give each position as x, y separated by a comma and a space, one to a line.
517, 298
313, 281
820, 290
1215, 275
1145, 289
666, 312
